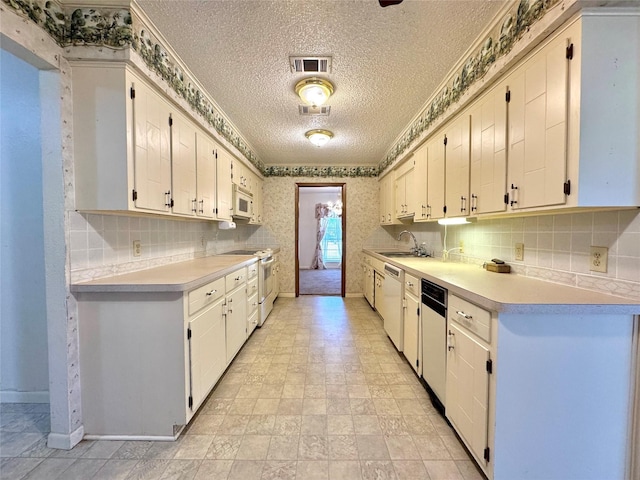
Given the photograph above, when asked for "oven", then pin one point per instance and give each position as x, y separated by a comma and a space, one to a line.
265, 284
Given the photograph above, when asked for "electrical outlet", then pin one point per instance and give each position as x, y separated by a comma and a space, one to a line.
519, 253
598, 259
137, 248
461, 246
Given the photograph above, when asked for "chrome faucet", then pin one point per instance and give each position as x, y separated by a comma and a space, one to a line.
415, 249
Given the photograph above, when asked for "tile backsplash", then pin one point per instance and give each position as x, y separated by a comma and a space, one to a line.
102, 245
556, 247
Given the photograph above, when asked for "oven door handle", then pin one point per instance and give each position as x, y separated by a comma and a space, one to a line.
267, 262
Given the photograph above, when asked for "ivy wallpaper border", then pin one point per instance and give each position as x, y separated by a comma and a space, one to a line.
117, 28
501, 39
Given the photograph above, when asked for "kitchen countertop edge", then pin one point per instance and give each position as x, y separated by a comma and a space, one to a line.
575, 303
126, 283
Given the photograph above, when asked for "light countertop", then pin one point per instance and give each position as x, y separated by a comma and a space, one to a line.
175, 277
511, 293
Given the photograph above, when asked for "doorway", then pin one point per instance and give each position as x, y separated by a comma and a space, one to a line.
320, 238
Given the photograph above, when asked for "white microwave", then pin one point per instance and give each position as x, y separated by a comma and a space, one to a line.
242, 203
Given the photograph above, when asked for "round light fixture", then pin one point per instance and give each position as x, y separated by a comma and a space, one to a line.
319, 137
314, 91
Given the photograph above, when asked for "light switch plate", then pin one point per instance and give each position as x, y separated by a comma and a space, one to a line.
137, 248
519, 252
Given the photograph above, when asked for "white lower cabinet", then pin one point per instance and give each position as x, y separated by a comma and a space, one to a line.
236, 312
411, 303
207, 349
468, 369
149, 359
252, 305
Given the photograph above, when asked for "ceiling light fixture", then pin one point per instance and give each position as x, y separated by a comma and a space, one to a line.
314, 91
319, 137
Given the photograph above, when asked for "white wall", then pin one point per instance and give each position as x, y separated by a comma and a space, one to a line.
24, 366
308, 224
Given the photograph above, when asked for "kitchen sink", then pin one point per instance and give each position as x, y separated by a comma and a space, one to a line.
397, 254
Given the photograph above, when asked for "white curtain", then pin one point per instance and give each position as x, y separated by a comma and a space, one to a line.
322, 212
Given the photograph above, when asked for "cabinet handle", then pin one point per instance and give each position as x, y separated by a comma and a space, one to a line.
466, 316
474, 202
513, 195
238, 278
450, 340
167, 199
211, 293
194, 205
428, 210
409, 284
201, 206
463, 204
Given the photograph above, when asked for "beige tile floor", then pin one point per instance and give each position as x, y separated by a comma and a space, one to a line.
318, 393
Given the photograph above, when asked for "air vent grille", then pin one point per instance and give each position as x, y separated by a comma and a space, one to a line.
310, 64
321, 111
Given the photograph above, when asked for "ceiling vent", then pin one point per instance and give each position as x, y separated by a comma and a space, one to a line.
317, 111
310, 64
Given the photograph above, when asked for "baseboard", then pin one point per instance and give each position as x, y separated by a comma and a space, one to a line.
126, 438
65, 441
353, 295
287, 294
10, 396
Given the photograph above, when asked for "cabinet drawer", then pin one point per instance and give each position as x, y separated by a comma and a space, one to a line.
252, 270
412, 285
473, 318
252, 286
252, 304
205, 295
235, 279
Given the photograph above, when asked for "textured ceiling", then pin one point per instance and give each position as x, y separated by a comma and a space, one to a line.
386, 64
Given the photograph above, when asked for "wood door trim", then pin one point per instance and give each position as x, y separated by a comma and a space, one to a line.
343, 189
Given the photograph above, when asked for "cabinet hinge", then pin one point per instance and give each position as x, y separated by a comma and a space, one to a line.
418, 311
490, 366
170, 121
417, 362
444, 209
215, 210
132, 93
134, 195
506, 199
188, 334
507, 96
171, 204
487, 454
570, 52
567, 187
190, 401
445, 140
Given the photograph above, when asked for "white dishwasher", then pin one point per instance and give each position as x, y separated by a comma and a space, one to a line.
392, 304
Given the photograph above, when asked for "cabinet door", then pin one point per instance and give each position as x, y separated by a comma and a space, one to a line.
537, 129
419, 189
224, 189
207, 351
236, 326
183, 166
400, 196
152, 141
457, 167
435, 177
468, 389
206, 175
412, 331
488, 152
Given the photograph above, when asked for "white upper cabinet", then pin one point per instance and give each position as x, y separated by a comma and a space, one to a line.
404, 188
537, 128
488, 152
387, 199
206, 175
224, 187
183, 165
420, 197
435, 177
122, 141
457, 166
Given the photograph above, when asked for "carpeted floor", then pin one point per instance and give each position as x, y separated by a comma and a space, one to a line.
320, 282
